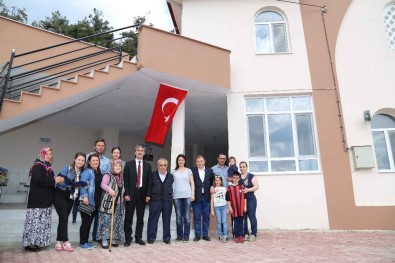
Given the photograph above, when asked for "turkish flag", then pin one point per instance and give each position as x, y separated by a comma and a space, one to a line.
166, 105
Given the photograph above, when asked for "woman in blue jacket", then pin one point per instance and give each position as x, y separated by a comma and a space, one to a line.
90, 195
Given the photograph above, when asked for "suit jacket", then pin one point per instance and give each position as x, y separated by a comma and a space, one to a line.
130, 178
206, 184
160, 191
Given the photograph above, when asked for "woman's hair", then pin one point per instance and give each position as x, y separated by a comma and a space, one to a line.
179, 156
89, 164
220, 178
244, 163
116, 148
76, 156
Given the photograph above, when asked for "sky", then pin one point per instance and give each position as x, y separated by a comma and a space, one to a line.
119, 13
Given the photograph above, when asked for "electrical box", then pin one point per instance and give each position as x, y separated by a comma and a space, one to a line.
363, 157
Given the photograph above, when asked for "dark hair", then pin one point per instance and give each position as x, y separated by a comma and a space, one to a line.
236, 173
89, 159
221, 153
100, 140
179, 156
200, 156
220, 177
116, 148
75, 157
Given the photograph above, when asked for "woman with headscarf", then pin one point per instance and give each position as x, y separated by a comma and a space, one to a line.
112, 185
37, 231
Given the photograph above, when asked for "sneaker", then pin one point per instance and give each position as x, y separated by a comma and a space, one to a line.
241, 239
252, 238
93, 246
104, 244
224, 239
58, 246
246, 237
86, 246
67, 247
237, 239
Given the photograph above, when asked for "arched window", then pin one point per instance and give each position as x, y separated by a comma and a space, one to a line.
389, 23
383, 131
270, 33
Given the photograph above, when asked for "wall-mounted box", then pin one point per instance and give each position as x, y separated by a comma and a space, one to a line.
363, 156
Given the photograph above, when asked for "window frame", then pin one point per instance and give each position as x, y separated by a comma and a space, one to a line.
270, 26
296, 149
390, 151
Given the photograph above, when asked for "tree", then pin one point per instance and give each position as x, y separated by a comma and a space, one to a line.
57, 23
16, 13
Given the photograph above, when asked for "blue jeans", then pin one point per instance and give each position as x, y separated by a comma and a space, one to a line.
222, 224
201, 210
251, 214
182, 207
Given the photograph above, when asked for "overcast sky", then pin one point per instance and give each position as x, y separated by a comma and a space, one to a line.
119, 13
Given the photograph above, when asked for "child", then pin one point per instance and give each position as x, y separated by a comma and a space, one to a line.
218, 205
232, 167
237, 206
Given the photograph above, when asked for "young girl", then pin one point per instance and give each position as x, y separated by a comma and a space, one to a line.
218, 205
232, 167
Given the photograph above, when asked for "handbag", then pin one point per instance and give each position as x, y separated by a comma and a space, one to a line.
86, 208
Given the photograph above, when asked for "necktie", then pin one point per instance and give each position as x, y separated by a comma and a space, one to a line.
138, 175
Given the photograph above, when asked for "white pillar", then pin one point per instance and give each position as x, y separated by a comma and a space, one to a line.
178, 135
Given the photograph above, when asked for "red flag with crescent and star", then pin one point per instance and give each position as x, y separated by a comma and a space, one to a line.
166, 105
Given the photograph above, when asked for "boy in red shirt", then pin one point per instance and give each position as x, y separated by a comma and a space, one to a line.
237, 206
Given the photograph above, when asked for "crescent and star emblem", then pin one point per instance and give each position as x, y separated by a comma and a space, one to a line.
168, 100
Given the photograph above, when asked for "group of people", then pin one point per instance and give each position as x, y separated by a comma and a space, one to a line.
115, 190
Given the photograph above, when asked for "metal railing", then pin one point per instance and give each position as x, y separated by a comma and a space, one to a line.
23, 74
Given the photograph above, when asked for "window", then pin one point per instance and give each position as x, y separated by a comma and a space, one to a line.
270, 33
383, 132
281, 134
389, 23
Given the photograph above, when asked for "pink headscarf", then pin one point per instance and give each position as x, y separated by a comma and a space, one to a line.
41, 161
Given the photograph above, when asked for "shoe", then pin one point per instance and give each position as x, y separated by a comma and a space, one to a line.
104, 244
252, 238
140, 242
93, 246
114, 244
207, 238
32, 248
167, 242
185, 240
237, 239
246, 237
178, 239
97, 240
87, 246
196, 239
127, 243
150, 242
67, 247
241, 239
58, 246
224, 239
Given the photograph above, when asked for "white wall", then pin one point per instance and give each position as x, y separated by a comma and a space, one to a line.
365, 69
294, 201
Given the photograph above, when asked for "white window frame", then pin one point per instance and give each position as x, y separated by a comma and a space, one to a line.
296, 158
389, 24
390, 151
270, 25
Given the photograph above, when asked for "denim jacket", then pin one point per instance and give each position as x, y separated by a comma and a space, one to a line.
88, 176
69, 173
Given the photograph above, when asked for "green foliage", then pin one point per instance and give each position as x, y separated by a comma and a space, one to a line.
18, 14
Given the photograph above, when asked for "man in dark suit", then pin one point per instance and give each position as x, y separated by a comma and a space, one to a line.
203, 178
160, 196
137, 176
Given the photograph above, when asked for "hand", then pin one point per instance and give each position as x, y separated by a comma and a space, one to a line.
85, 200
231, 210
212, 213
227, 211
246, 190
192, 197
111, 192
127, 198
245, 208
212, 190
59, 179
147, 199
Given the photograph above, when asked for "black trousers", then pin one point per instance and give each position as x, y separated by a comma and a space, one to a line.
155, 209
137, 203
86, 226
63, 205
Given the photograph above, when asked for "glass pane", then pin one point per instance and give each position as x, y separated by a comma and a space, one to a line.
391, 135
280, 135
256, 136
280, 38
308, 165
254, 105
258, 166
304, 130
381, 150
383, 121
283, 166
301, 103
277, 104
269, 16
262, 39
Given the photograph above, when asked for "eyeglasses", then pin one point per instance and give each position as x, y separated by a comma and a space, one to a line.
237, 178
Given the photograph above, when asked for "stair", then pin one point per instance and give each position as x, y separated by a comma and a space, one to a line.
12, 220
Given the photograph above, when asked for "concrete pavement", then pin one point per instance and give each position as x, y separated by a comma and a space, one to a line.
270, 246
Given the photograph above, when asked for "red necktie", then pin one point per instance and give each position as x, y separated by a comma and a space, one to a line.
138, 175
